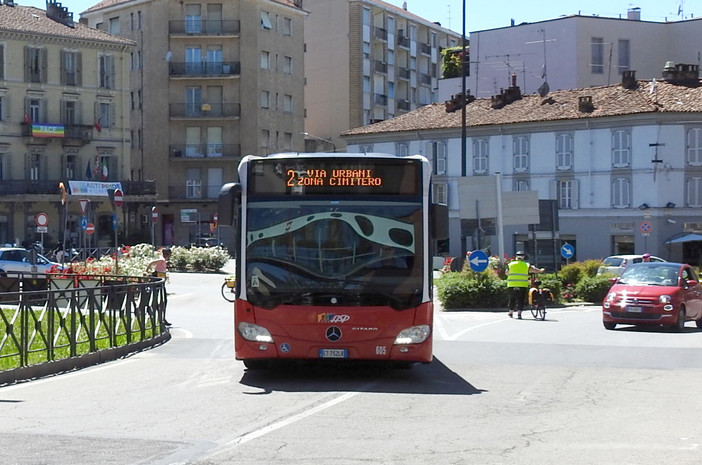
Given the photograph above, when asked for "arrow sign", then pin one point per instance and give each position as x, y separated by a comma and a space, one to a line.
84, 223
478, 260
567, 251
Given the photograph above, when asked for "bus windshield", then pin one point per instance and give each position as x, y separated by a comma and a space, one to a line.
339, 253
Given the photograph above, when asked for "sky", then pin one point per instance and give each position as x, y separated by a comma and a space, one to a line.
482, 14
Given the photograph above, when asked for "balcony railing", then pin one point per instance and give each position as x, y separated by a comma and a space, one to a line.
403, 73
403, 41
205, 69
25, 186
425, 49
205, 110
205, 27
67, 132
403, 105
205, 151
425, 79
380, 99
381, 66
381, 33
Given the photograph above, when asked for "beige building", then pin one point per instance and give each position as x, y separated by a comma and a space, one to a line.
210, 82
367, 61
64, 103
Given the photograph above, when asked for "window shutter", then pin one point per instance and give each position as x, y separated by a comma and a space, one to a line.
2, 61
575, 199
553, 189
43, 110
27, 63
113, 73
43, 61
63, 118
79, 69
63, 70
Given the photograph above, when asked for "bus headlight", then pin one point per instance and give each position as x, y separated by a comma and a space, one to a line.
252, 332
413, 335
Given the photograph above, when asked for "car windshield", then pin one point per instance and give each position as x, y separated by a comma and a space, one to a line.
650, 275
612, 261
344, 253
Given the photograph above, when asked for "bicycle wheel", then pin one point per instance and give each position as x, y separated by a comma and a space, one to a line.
541, 312
228, 292
534, 311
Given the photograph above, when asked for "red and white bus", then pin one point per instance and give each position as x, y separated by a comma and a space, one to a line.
333, 257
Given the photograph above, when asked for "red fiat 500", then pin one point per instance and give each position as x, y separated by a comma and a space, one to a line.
654, 293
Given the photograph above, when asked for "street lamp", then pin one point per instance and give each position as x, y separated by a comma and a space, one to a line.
312, 136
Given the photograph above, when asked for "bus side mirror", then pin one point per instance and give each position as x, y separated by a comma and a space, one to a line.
227, 203
439, 221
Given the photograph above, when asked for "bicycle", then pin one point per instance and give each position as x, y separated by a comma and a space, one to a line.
538, 298
229, 288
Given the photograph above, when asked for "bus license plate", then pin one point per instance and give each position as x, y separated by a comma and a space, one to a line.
634, 309
333, 353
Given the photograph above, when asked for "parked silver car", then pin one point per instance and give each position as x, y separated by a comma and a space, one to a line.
19, 260
617, 263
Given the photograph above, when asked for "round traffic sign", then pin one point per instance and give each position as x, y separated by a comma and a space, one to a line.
645, 227
478, 260
118, 198
41, 219
90, 228
83, 223
567, 251
154, 214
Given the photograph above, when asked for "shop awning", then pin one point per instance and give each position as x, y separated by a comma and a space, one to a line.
685, 238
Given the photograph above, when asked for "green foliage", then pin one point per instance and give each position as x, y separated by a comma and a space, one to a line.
551, 282
571, 273
451, 62
471, 290
590, 267
593, 288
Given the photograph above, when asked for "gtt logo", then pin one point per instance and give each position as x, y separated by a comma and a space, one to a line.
332, 318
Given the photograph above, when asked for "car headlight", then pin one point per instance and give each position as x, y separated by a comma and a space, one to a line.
611, 297
252, 332
413, 335
665, 299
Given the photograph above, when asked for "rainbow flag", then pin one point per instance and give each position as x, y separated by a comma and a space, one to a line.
47, 130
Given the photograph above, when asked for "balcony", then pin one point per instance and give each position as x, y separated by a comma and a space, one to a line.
403, 105
28, 187
200, 151
425, 49
403, 41
425, 79
403, 73
202, 27
380, 99
69, 133
381, 67
204, 110
381, 34
204, 69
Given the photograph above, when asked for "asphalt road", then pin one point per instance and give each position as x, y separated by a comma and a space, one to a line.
500, 391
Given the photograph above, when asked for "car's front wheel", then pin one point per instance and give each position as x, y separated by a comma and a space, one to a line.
699, 323
609, 325
680, 324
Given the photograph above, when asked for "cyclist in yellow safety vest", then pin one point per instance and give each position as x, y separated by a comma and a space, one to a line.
518, 282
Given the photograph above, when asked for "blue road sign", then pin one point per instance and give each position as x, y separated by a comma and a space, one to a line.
114, 221
567, 251
478, 260
84, 223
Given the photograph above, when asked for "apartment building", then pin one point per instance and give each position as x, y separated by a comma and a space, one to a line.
618, 168
367, 61
64, 112
210, 82
578, 51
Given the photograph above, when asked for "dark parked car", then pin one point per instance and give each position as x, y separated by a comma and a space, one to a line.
654, 293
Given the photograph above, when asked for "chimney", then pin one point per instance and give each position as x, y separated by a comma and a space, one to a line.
681, 74
629, 79
634, 14
511, 94
404, 6
585, 104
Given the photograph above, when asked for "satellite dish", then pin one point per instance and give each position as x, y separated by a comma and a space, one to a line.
169, 56
543, 89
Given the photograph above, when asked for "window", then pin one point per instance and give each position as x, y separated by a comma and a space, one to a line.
567, 194
265, 60
265, 99
287, 65
114, 26
2, 61
193, 60
107, 71
624, 50
69, 112
694, 146
193, 100
266, 20
287, 103
621, 148
564, 152
520, 152
193, 19
214, 59
402, 149
480, 156
70, 167
694, 192
265, 140
214, 182
34, 166
621, 195
597, 60
2, 108
214, 141
520, 185
287, 27
35, 64
193, 183
35, 110
440, 193
104, 114
70, 68
192, 142
436, 152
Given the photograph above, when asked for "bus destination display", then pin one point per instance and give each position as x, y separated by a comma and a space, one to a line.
335, 176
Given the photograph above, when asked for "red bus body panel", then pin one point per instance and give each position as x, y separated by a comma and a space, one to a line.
366, 333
